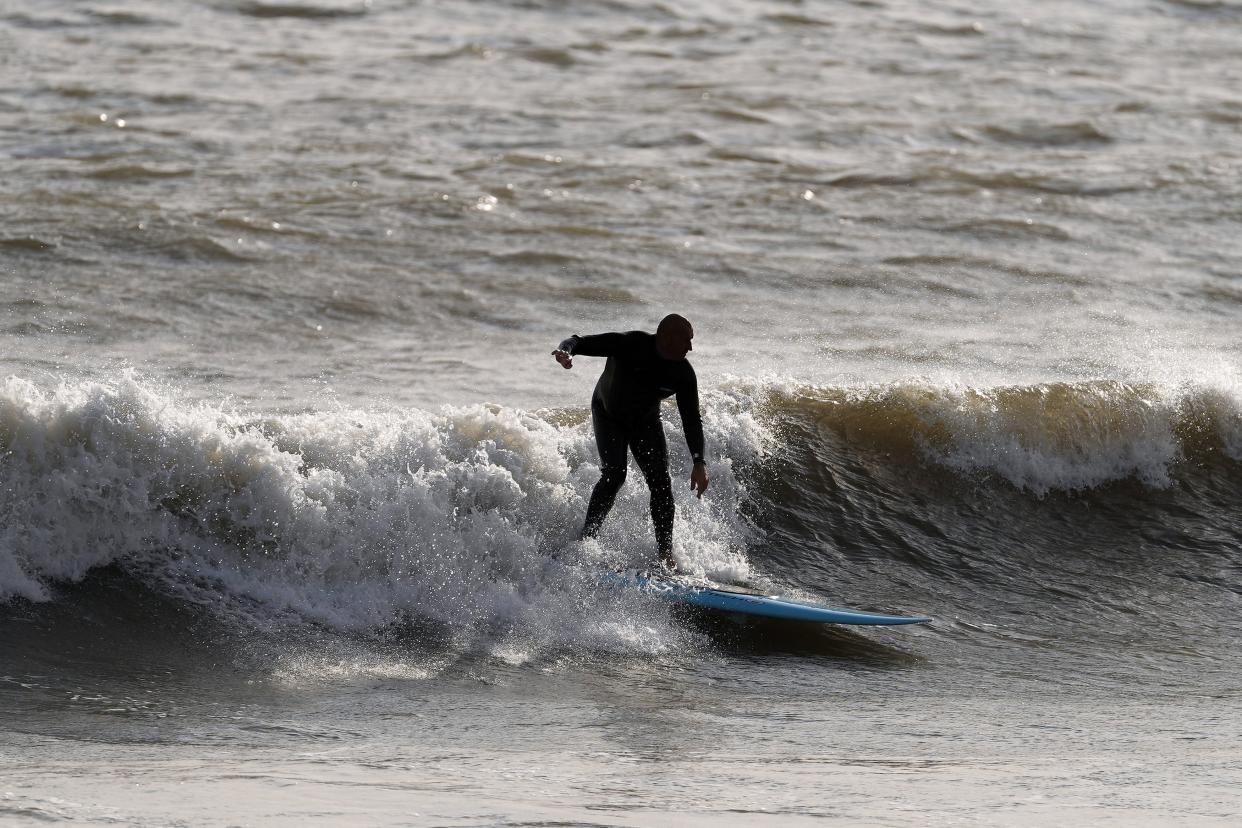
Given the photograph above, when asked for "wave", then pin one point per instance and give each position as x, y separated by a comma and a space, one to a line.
940, 175
354, 519
1038, 438
304, 11
467, 517
28, 244
139, 172
1036, 134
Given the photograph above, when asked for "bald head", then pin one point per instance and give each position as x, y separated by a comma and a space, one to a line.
673, 337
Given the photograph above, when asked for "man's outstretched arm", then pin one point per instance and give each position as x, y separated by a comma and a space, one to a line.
602, 345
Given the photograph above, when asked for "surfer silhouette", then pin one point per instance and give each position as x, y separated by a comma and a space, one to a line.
642, 370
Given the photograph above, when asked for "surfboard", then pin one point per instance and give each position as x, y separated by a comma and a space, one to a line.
750, 602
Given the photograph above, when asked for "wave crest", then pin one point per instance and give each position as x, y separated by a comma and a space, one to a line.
1053, 436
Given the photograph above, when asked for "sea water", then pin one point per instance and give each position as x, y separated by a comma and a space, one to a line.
290, 485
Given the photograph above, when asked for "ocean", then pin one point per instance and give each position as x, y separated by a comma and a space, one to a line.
290, 485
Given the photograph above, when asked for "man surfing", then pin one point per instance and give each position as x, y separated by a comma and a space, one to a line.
642, 370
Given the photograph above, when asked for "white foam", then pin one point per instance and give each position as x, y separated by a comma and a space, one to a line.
1106, 434
1064, 436
1049, 437
350, 518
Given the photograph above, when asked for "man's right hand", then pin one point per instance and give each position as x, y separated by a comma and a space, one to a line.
564, 359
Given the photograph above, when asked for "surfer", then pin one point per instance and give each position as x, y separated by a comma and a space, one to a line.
642, 370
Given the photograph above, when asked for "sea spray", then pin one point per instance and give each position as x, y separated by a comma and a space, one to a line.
352, 519
1038, 438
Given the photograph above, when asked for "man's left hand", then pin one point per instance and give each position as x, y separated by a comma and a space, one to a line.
698, 478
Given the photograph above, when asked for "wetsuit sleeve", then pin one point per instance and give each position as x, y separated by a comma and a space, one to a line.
691, 418
598, 345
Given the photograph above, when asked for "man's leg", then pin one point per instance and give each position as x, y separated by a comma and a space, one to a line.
651, 454
610, 439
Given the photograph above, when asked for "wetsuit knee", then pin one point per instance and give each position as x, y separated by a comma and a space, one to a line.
612, 476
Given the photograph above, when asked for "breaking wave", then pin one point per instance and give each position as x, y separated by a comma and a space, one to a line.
467, 517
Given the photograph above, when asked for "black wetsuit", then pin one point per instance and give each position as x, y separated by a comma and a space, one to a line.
625, 410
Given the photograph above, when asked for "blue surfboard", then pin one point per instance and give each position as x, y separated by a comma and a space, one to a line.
750, 602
